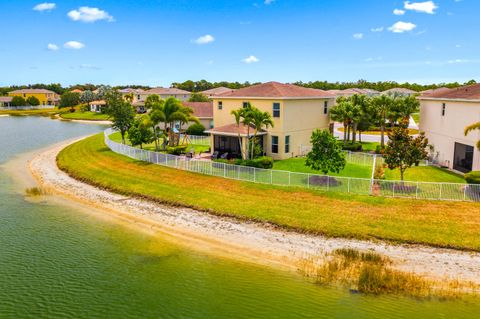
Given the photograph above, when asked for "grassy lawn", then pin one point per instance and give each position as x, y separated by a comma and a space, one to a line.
416, 117
87, 116
43, 112
445, 224
117, 137
298, 165
426, 174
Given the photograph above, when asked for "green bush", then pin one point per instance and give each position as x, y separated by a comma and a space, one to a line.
357, 147
473, 177
196, 129
264, 162
378, 149
177, 150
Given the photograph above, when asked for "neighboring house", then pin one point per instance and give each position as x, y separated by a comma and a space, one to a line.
5, 101
443, 117
97, 106
46, 97
296, 112
77, 91
400, 91
432, 91
217, 91
203, 111
165, 93
136, 93
350, 92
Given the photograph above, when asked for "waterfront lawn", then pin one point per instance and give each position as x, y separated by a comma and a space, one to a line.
436, 223
42, 112
298, 165
117, 137
87, 116
426, 174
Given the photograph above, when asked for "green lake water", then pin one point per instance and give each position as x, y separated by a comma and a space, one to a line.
59, 262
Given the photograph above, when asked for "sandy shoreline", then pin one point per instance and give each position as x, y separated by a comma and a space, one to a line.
245, 238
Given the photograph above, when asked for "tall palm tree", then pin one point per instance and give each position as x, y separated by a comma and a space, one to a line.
259, 120
247, 120
174, 111
238, 120
382, 105
339, 113
471, 128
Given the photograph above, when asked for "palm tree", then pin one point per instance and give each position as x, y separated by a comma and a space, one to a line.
382, 105
339, 113
471, 128
174, 111
259, 120
359, 112
238, 118
247, 120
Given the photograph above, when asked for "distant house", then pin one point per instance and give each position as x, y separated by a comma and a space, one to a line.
353, 91
77, 91
296, 112
5, 101
203, 111
400, 91
97, 106
165, 93
217, 91
46, 97
136, 93
443, 117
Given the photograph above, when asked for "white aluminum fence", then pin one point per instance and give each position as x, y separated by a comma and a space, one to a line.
197, 140
362, 186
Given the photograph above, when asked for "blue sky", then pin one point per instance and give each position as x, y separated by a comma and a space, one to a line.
159, 42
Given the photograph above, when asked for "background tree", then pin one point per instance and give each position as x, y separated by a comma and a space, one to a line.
381, 106
472, 128
139, 132
403, 151
33, 101
339, 113
174, 111
121, 113
69, 99
157, 116
326, 154
87, 97
103, 91
196, 129
18, 101
153, 101
198, 97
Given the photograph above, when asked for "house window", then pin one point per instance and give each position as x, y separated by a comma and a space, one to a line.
443, 109
245, 104
275, 144
220, 105
287, 144
325, 107
138, 97
211, 124
276, 109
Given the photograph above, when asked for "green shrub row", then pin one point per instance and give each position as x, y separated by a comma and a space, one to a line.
264, 162
473, 177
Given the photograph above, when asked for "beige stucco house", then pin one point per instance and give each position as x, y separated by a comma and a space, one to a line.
203, 111
165, 93
443, 117
296, 112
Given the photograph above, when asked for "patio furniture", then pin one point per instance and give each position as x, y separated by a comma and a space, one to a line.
215, 155
224, 156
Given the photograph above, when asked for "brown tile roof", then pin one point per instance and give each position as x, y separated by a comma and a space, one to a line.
76, 91
400, 90
233, 130
99, 102
217, 91
6, 99
434, 91
470, 92
277, 90
201, 109
33, 91
172, 91
130, 90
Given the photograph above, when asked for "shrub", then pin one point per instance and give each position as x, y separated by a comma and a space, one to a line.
18, 101
378, 149
473, 177
196, 129
357, 147
177, 150
264, 162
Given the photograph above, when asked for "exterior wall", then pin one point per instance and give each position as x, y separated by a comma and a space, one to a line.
182, 97
298, 118
44, 98
444, 131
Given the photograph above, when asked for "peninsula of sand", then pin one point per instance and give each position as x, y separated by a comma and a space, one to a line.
258, 242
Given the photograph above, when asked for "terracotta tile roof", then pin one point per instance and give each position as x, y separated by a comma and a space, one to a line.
201, 109
99, 102
470, 92
217, 91
6, 99
165, 91
233, 130
76, 91
434, 91
400, 91
33, 91
277, 90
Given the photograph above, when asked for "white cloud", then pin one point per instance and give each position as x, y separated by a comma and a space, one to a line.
401, 27
52, 47
424, 7
267, 2
358, 36
379, 29
74, 45
398, 12
46, 6
88, 14
251, 59
204, 39
374, 59
458, 61
89, 67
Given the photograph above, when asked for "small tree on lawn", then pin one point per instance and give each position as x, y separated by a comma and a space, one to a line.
33, 101
18, 101
120, 112
326, 154
139, 133
404, 151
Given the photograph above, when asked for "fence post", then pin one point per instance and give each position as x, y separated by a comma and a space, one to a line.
465, 193
271, 177
176, 162
254, 175
440, 195
308, 180
393, 188
416, 191
373, 173
289, 178
328, 183
348, 185
224, 170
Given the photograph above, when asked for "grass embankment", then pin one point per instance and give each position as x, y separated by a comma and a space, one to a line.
40, 112
298, 165
86, 116
443, 224
426, 174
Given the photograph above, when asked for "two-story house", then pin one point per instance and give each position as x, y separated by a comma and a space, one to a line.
443, 117
296, 111
46, 97
165, 93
